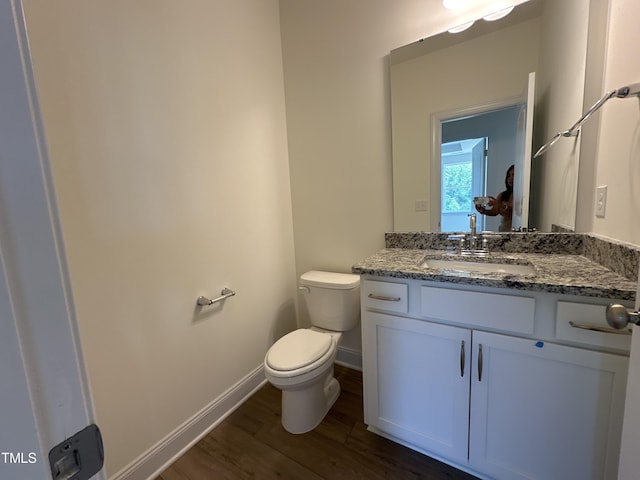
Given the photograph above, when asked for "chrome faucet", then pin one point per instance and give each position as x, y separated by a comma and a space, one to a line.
472, 227
472, 234
471, 243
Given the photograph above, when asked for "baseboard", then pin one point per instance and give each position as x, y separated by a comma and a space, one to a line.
348, 357
150, 464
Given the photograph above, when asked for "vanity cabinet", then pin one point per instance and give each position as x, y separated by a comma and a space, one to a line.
417, 382
543, 410
502, 394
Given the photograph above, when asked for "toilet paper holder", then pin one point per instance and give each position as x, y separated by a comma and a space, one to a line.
225, 293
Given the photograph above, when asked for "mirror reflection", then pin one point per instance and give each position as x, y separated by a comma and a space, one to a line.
500, 205
438, 82
476, 153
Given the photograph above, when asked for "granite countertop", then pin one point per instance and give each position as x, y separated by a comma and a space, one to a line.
562, 273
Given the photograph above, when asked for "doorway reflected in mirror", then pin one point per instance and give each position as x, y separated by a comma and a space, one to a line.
475, 152
463, 166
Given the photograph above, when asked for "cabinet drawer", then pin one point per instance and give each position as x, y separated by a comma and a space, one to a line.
574, 321
387, 296
490, 310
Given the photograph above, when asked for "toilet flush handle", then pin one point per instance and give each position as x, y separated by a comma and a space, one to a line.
304, 289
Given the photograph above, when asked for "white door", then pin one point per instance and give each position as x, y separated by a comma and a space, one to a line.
629, 458
417, 382
544, 411
524, 141
43, 395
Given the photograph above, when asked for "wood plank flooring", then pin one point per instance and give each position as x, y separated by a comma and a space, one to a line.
251, 443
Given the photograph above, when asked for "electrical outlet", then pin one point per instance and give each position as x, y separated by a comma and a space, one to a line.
601, 201
421, 206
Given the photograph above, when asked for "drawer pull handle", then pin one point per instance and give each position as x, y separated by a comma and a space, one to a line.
480, 363
384, 298
599, 329
462, 362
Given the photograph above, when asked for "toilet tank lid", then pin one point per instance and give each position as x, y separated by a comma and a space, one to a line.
342, 281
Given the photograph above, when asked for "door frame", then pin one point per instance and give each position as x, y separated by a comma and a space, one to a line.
43, 366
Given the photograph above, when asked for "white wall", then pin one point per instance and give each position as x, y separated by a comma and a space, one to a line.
339, 123
618, 157
44, 396
559, 103
166, 129
339, 131
167, 134
618, 167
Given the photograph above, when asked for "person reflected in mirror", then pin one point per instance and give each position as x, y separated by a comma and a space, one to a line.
502, 204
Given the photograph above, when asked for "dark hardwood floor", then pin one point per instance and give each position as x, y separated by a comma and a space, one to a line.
251, 443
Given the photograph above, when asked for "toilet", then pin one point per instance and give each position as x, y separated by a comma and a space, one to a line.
301, 363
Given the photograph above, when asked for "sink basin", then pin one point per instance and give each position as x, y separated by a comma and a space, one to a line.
479, 267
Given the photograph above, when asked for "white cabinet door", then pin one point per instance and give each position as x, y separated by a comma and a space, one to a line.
416, 382
544, 411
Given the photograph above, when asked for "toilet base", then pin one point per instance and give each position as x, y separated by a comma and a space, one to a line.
304, 409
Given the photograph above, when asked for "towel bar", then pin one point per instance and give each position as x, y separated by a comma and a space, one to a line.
225, 293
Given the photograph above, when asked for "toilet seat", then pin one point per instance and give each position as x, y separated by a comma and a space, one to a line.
299, 352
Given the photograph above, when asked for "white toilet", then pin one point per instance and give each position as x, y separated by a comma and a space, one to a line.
301, 363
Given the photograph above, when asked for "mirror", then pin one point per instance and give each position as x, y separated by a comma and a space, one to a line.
485, 67
479, 165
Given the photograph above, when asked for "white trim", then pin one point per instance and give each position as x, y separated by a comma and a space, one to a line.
151, 463
35, 276
349, 357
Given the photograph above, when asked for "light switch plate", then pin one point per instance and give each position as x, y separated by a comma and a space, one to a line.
421, 205
601, 201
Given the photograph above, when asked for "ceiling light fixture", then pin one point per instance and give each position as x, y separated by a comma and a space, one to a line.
498, 14
461, 28
459, 4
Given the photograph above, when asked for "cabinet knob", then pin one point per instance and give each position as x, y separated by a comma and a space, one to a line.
619, 316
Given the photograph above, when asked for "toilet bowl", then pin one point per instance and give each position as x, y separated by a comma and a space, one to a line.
301, 363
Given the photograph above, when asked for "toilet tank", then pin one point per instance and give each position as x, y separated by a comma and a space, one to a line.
333, 299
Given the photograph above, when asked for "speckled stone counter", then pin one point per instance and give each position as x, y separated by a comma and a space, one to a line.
564, 263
